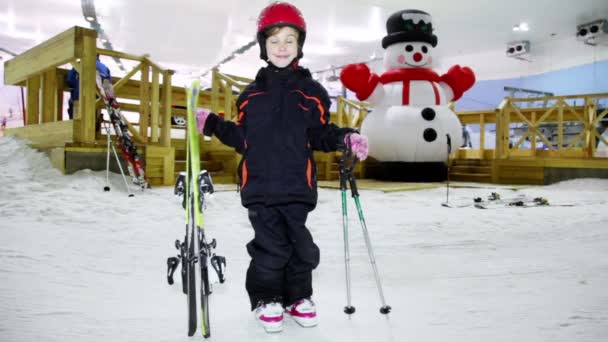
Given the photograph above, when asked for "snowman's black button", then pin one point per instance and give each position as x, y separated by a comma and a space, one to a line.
429, 135
428, 114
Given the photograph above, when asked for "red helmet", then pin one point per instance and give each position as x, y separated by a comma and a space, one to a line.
280, 14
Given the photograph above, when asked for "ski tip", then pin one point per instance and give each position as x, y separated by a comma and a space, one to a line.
195, 85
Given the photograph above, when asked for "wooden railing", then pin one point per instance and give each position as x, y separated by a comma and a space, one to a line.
154, 124
350, 113
561, 113
38, 69
486, 119
222, 85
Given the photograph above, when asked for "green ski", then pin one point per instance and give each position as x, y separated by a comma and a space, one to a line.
197, 256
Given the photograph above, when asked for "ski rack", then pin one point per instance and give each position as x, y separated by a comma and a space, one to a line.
123, 139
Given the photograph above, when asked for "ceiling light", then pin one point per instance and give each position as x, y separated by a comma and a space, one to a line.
90, 18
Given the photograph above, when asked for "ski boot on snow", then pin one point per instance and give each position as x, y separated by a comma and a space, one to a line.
270, 316
303, 311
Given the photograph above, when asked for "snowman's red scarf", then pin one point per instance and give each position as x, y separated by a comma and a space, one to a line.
406, 75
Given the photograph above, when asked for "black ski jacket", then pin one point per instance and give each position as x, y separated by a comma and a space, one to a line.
283, 117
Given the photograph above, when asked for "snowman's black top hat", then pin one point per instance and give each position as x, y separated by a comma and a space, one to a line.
409, 26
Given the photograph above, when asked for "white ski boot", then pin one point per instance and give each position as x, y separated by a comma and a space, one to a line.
270, 316
303, 311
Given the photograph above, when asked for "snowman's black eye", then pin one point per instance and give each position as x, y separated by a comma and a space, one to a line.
425, 49
409, 48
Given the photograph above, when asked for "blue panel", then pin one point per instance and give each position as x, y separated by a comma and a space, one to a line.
582, 79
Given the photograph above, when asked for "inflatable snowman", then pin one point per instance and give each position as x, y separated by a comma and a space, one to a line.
410, 119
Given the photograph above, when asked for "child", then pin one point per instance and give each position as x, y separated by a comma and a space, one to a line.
283, 117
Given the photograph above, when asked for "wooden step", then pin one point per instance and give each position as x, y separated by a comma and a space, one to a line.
209, 165
469, 177
218, 177
335, 175
472, 162
222, 178
471, 169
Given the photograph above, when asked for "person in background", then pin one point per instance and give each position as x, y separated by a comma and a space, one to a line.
283, 117
73, 81
466, 137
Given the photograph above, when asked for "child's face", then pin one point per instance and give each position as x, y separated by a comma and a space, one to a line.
282, 47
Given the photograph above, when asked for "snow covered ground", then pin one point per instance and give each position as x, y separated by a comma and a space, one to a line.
78, 264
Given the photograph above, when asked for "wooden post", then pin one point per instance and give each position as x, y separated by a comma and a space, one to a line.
59, 100
86, 101
533, 136
499, 139
501, 143
144, 98
155, 104
49, 96
590, 115
506, 130
340, 111
165, 137
560, 126
215, 91
482, 136
33, 100
228, 101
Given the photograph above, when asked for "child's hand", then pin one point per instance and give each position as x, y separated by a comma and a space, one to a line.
201, 116
357, 144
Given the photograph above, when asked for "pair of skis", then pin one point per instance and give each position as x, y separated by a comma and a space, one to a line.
123, 139
200, 265
495, 201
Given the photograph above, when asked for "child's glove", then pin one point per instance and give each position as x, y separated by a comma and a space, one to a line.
357, 144
201, 116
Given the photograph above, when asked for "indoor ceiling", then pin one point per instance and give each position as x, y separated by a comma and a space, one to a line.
193, 36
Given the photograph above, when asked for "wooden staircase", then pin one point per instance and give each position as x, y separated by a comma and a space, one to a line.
328, 165
471, 170
216, 168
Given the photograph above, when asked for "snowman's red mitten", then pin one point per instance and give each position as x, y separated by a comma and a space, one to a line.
459, 79
358, 78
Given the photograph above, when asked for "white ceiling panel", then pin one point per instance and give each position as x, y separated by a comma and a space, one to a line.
193, 36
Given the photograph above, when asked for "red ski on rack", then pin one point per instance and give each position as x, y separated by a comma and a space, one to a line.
123, 139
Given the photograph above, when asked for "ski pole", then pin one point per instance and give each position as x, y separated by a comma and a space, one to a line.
107, 187
117, 162
447, 192
346, 172
384, 309
348, 309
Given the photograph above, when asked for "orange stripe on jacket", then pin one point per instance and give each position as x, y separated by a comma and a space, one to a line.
244, 174
319, 105
245, 103
309, 173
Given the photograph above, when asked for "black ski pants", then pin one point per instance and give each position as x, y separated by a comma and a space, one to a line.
283, 254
